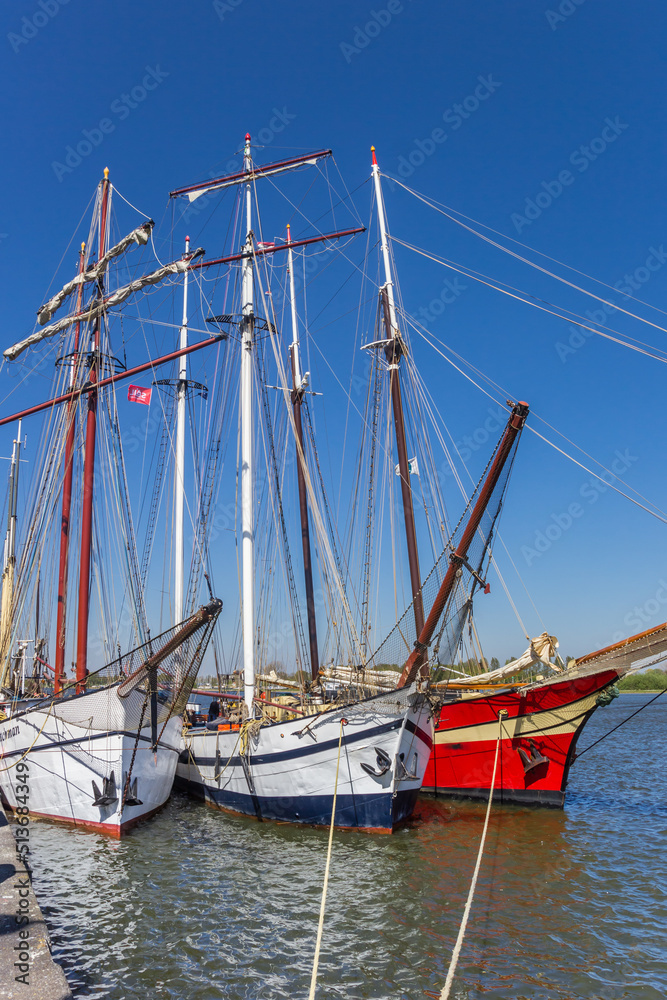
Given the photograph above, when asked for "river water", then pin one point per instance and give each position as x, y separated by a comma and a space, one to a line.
197, 904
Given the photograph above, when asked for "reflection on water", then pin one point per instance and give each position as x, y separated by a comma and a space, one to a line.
197, 904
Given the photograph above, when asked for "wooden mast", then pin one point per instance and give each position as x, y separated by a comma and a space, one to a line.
67, 498
7, 600
298, 385
418, 661
393, 352
88, 476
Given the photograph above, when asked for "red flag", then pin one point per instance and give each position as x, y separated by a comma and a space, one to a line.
136, 394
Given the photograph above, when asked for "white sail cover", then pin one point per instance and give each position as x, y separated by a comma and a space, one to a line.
248, 177
540, 650
140, 236
115, 299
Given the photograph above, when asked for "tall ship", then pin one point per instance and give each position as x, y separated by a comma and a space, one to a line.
534, 708
97, 749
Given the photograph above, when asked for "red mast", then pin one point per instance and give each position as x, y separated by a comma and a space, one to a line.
88, 479
67, 499
417, 660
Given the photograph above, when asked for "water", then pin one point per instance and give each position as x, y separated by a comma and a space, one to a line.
196, 905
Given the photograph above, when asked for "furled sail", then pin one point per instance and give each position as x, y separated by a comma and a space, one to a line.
140, 236
115, 299
540, 650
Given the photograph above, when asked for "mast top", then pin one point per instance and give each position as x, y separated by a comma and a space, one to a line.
106, 173
247, 137
83, 247
375, 162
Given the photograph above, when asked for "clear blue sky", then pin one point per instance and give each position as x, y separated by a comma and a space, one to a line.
534, 82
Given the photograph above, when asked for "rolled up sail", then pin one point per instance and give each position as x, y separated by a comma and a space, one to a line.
115, 299
140, 236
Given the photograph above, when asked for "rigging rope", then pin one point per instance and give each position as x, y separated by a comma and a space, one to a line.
653, 513
537, 267
316, 960
466, 913
640, 346
32, 744
641, 709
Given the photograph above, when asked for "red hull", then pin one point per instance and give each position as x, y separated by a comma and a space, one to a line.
544, 721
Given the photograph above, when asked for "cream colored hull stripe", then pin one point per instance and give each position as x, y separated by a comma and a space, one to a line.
558, 722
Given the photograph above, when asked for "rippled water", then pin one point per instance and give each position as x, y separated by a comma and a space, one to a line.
197, 904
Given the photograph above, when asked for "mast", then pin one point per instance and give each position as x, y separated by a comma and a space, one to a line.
179, 471
248, 176
88, 476
9, 561
393, 352
298, 386
246, 389
67, 498
417, 661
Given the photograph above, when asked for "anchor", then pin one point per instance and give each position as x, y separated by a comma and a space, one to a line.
383, 763
408, 775
131, 797
109, 793
535, 759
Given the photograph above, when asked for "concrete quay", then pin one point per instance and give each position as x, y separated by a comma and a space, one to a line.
27, 970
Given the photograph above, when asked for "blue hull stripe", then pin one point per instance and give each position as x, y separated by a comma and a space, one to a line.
93, 737
302, 751
375, 812
312, 747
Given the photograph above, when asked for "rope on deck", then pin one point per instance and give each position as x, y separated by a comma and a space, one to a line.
466, 913
313, 979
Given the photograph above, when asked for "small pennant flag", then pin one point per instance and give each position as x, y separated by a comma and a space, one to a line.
413, 468
136, 394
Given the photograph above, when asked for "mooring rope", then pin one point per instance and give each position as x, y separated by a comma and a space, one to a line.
16, 762
466, 913
313, 979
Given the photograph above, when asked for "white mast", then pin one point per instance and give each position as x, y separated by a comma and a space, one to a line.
384, 245
247, 518
179, 471
296, 360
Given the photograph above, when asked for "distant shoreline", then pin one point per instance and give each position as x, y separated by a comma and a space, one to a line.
650, 691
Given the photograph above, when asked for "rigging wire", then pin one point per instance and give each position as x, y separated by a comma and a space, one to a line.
661, 516
639, 346
432, 203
